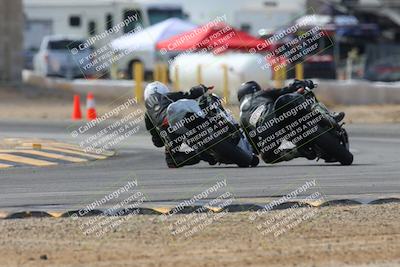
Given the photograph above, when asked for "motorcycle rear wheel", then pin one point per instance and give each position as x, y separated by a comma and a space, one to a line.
234, 154
331, 145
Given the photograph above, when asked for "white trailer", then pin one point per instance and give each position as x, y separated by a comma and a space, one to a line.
251, 16
85, 19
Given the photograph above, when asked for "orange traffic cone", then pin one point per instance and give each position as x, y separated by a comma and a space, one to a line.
90, 109
76, 113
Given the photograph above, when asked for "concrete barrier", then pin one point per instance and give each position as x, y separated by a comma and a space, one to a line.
354, 92
101, 88
104, 88
358, 92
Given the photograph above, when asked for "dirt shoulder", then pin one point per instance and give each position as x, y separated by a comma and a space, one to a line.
370, 114
332, 236
24, 103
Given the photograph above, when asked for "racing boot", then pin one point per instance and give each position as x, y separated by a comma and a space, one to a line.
255, 161
297, 152
338, 116
307, 153
208, 158
289, 154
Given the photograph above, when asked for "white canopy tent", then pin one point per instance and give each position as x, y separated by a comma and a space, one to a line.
146, 39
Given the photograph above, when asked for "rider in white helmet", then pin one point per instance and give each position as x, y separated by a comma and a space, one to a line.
157, 98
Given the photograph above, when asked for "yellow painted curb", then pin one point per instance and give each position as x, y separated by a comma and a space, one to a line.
56, 214
214, 209
45, 154
187, 209
45, 148
4, 166
163, 210
26, 160
69, 151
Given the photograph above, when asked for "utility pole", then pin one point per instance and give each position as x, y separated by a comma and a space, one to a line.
11, 41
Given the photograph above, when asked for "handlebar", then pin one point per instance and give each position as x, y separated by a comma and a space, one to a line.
314, 85
305, 88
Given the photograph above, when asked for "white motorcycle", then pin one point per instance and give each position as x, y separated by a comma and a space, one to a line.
204, 126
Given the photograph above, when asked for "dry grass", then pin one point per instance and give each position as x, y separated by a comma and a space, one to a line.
334, 236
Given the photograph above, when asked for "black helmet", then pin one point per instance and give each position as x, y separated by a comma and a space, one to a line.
247, 88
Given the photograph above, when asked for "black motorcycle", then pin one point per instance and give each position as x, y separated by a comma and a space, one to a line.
315, 130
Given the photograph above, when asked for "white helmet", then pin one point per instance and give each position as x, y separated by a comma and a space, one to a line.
154, 87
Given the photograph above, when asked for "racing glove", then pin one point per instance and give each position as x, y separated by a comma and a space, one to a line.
309, 84
198, 90
157, 141
297, 84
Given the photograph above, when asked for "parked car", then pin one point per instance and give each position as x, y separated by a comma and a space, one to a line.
58, 57
385, 70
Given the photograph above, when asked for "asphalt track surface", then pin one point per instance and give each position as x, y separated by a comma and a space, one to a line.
375, 172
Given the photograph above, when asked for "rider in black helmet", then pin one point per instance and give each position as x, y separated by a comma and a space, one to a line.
257, 107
